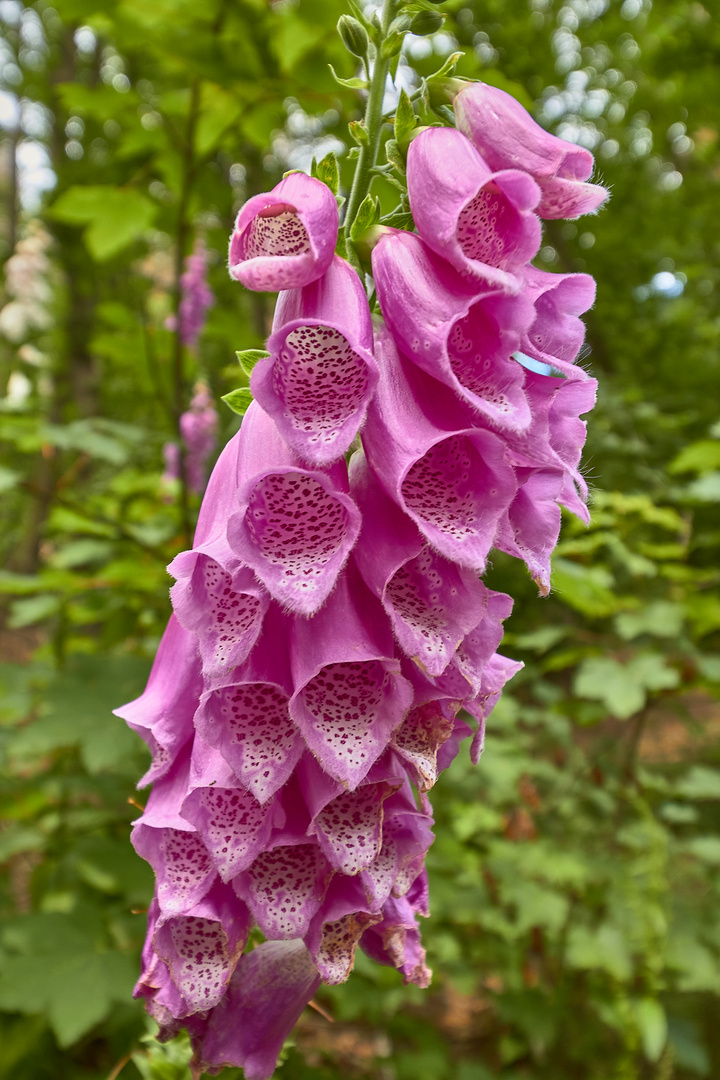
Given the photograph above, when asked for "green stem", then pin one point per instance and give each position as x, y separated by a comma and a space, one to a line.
373, 123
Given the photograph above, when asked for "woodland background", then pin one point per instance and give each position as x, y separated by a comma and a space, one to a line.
576, 876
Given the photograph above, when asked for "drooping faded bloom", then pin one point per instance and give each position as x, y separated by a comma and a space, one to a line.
333, 642
285, 238
508, 138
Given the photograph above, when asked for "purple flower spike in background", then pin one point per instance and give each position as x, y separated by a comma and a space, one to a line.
479, 220
321, 373
508, 138
285, 238
461, 332
198, 427
196, 295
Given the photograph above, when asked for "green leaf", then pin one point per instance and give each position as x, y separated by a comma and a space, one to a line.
395, 156
405, 119
77, 712
218, 111
652, 1022
328, 171
115, 217
368, 215
588, 589
662, 618
358, 132
8, 479
623, 687
33, 610
238, 400
700, 782
700, 457
604, 949
600, 678
352, 84
399, 219
247, 359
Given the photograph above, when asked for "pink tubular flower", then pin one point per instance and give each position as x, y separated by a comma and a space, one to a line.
321, 373
332, 642
508, 138
481, 221
285, 238
460, 332
452, 479
431, 603
215, 596
196, 295
269, 990
296, 527
349, 694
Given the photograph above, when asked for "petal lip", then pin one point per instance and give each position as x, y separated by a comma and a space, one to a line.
314, 205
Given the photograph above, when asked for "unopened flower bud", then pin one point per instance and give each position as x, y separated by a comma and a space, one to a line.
426, 22
354, 35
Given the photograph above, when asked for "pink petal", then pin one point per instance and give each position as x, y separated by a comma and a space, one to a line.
284, 888
202, 947
163, 714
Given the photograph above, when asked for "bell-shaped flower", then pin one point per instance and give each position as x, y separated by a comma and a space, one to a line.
508, 138
431, 602
349, 694
478, 646
184, 871
452, 479
285, 238
163, 714
557, 332
248, 720
233, 825
407, 835
202, 947
215, 596
478, 219
284, 888
462, 332
498, 670
349, 825
321, 374
271, 986
336, 930
296, 527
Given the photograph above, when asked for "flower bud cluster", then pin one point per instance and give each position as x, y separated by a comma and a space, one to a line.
198, 428
331, 632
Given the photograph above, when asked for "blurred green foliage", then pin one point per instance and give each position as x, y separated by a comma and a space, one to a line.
576, 876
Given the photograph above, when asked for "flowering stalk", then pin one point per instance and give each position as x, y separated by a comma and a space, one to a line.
332, 642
